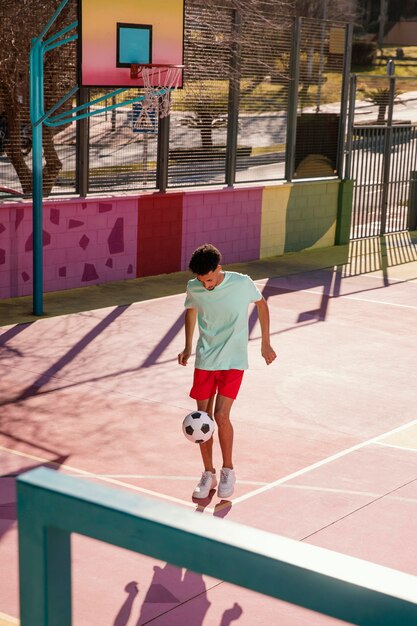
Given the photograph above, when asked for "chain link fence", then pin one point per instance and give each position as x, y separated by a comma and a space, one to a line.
244, 80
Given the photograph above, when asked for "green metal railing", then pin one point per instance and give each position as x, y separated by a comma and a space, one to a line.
51, 506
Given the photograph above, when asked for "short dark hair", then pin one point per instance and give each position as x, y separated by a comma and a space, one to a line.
205, 259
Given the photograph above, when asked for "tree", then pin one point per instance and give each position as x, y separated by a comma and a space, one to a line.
339, 10
21, 21
218, 52
208, 113
380, 97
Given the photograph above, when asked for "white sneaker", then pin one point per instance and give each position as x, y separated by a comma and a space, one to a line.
227, 482
208, 481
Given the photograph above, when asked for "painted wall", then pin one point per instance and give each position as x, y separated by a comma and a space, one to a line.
298, 216
90, 241
84, 241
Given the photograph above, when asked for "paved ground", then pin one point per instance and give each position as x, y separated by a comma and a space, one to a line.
94, 390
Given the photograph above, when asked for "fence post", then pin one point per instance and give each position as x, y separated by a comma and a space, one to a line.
351, 120
83, 153
387, 157
162, 154
344, 103
234, 94
293, 100
412, 202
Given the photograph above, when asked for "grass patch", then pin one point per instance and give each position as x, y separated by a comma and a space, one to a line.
109, 170
277, 147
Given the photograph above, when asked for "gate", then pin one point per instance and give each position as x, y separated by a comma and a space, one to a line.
382, 154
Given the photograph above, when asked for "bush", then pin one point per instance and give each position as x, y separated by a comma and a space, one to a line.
363, 53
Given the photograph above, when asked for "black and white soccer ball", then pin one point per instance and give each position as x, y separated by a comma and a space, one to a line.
198, 426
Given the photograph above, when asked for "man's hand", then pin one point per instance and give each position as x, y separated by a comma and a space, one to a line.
184, 356
268, 353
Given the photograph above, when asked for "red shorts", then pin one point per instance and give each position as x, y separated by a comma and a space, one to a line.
207, 383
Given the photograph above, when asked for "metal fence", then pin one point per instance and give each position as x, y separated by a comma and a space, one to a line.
382, 154
262, 100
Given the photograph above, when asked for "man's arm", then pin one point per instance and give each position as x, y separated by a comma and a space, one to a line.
190, 320
266, 349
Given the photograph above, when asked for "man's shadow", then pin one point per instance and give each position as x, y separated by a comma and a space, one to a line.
172, 587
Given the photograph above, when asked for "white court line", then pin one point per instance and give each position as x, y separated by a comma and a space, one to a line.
162, 477
320, 293
251, 494
321, 463
409, 281
8, 619
87, 474
404, 306
398, 447
351, 492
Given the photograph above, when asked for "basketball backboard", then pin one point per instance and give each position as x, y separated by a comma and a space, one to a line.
114, 35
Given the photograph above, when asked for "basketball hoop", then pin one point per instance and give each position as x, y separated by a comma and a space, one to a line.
159, 80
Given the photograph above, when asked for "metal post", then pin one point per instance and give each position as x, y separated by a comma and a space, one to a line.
412, 202
83, 151
293, 101
145, 157
344, 96
36, 118
323, 32
58, 576
36, 105
45, 572
234, 94
351, 119
387, 157
163, 154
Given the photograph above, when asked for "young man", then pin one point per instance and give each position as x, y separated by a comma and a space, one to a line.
220, 300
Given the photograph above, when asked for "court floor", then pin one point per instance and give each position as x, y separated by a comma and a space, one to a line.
325, 438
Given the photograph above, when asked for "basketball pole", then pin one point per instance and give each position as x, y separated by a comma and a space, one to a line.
38, 117
36, 110
37, 179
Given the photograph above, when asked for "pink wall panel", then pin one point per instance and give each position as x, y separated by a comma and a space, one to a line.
229, 219
85, 242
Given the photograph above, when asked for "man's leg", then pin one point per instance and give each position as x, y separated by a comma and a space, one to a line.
208, 480
206, 448
222, 416
225, 428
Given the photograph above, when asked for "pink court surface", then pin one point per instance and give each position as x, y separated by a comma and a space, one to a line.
325, 438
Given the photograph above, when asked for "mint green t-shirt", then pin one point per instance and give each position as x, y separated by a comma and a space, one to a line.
223, 321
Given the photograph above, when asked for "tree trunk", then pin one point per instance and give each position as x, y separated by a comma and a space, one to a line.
381, 113
53, 163
206, 130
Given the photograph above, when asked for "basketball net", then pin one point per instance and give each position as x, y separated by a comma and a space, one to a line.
158, 82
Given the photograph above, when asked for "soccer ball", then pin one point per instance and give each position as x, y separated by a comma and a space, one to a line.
198, 426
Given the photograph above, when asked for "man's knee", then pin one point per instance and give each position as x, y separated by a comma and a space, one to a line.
222, 417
